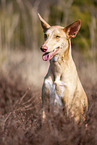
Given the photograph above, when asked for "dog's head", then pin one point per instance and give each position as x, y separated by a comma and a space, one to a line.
57, 38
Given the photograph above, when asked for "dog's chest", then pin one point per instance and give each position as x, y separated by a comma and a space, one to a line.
56, 90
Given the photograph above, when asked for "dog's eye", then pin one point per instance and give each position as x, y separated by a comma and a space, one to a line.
45, 36
57, 36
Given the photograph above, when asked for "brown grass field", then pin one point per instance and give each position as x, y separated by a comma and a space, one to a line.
20, 104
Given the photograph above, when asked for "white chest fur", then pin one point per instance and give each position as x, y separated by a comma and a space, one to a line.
56, 91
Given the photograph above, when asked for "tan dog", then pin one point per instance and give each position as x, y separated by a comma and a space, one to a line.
62, 85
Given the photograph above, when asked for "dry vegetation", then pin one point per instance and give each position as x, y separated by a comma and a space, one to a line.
20, 119
21, 75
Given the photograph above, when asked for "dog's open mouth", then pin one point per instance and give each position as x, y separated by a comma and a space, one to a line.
48, 55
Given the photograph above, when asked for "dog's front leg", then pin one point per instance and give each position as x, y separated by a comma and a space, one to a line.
46, 93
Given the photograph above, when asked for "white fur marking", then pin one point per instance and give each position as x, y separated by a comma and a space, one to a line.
54, 97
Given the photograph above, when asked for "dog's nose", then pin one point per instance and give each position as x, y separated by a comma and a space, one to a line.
44, 48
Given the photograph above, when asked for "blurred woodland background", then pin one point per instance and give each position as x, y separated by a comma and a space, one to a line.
21, 36
22, 67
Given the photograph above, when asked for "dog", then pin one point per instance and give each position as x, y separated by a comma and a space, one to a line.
62, 86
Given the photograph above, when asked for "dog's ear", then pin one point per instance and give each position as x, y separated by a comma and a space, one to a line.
44, 24
73, 29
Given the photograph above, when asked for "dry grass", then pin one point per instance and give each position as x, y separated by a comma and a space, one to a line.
26, 64
20, 120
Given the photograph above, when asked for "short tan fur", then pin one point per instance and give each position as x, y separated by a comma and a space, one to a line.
62, 86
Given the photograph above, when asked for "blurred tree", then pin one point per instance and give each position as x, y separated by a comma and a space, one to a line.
93, 28
19, 25
66, 5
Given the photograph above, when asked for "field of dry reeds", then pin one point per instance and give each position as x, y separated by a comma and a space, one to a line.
22, 71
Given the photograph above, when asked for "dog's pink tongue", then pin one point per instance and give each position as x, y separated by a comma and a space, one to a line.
47, 56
